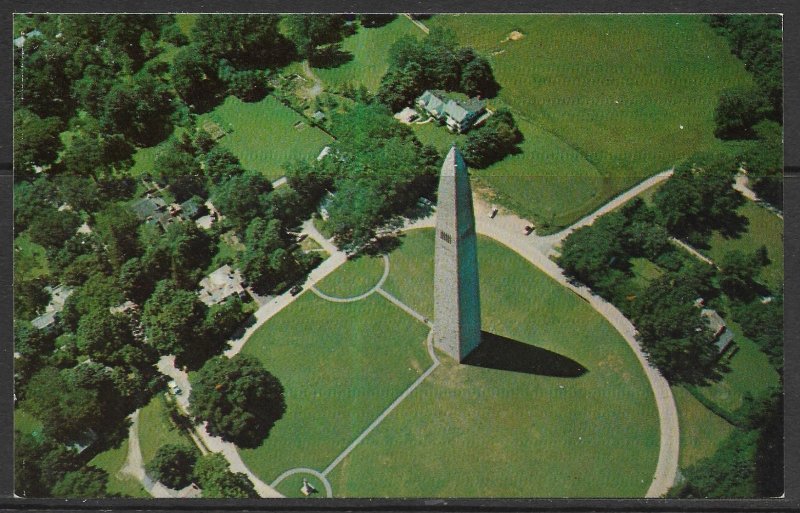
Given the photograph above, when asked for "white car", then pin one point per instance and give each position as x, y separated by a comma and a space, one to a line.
174, 389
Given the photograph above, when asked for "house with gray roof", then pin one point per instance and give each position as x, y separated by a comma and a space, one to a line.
458, 115
723, 337
149, 208
58, 296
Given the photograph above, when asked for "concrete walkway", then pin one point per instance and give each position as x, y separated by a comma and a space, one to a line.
416, 22
548, 242
315, 89
134, 464
692, 251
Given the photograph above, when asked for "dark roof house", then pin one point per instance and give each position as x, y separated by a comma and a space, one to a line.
147, 208
723, 337
458, 115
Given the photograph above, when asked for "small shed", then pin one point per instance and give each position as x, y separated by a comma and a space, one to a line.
723, 337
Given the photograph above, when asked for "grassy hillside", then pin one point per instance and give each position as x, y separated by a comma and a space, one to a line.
614, 89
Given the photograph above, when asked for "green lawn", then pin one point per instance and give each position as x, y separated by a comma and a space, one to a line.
290, 487
701, 430
30, 259
615, 89
764, 228
329, 358
370, 50
145, 158
751, 373
644, 272
354, 277
156, 429
436, 135
596, 434
112, 460
263, 136
549, 181
26, 423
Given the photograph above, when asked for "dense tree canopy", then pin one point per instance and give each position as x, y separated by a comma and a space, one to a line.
674, 336
310, 32
36, 141
216, 480
173, 465
89, 481
487, 144
242, 197
173, 319
239, 398
699, 197
435, 62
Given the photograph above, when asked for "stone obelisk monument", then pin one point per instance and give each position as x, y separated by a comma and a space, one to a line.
457, 306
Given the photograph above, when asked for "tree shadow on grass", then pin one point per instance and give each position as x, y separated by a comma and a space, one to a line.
503, 353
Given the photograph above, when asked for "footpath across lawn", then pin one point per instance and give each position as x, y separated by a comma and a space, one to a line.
341, 365
489, 430
581, 408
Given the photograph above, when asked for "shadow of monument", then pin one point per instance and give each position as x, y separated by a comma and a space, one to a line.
503, 353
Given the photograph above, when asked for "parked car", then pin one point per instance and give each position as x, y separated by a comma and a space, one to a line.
296, 290
174, 389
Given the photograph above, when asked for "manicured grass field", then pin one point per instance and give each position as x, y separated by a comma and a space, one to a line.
467, 430
764, 228
155, 429
354, 277
30, 259
751, 373
476, 431
549, 181
701, 430
615, 89
370, 50
263, 134
341, 365
112, 461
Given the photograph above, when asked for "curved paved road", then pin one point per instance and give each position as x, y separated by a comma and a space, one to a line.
508, 229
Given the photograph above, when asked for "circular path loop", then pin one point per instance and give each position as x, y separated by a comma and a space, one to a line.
304, 470
359, 297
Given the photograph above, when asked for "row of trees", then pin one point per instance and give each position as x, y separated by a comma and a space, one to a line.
435, 62
177, 466
694, 201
